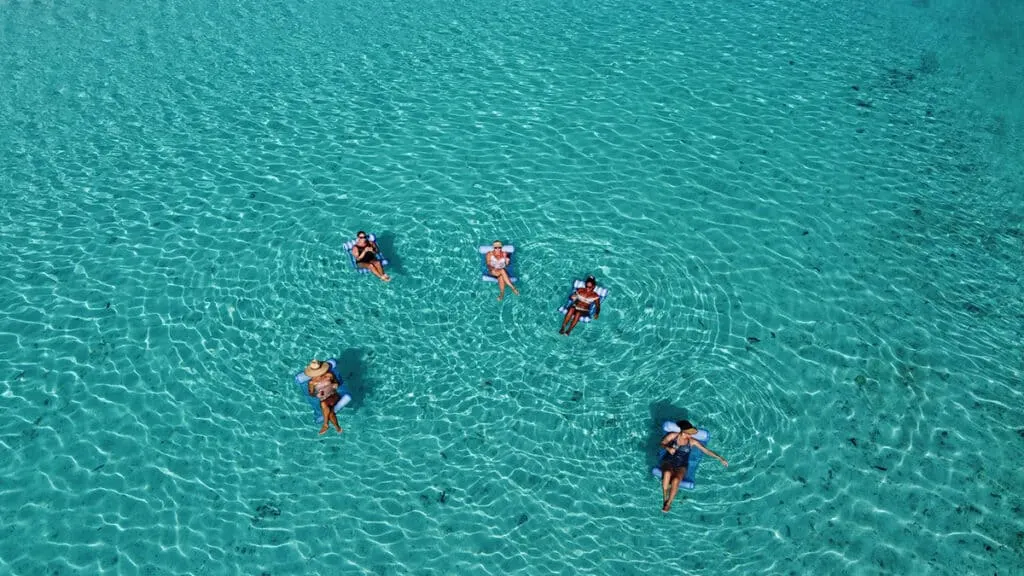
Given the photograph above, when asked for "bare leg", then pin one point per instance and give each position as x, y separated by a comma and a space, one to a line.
501, 286
375, 270
327, 413
666, 478
334, 420
508, 280
575, 320
676, 479
569, 315
378, 270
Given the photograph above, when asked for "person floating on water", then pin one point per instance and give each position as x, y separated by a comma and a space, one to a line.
677, 446
497, 264
582, 299
365, 252
324, 387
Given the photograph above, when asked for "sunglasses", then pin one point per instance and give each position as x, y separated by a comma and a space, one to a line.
361, 237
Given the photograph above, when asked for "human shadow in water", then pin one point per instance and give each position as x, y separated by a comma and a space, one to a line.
386, 243
350, 367
660, 412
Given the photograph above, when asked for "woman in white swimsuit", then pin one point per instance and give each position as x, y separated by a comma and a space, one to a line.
497, 262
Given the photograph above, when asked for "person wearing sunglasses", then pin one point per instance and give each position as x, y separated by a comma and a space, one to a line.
367, 255
582, 301
497, 265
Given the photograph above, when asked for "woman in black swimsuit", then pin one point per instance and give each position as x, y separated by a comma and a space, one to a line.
677, 460
365, 252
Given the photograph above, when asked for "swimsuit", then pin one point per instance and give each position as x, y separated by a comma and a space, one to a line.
496, 262
323, 384
680, 459
586, 301
369, 256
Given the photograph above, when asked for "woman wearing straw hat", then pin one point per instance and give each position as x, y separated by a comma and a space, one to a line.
674, 465
324, 386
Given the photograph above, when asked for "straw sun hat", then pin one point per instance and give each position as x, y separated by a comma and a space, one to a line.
316, 368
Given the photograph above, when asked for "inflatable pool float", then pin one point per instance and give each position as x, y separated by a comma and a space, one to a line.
486, 274
696, 455
302, 381
576, 284
352, 259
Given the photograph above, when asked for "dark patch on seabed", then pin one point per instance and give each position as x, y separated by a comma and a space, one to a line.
929, 63
899, 79
973, 309
264, 511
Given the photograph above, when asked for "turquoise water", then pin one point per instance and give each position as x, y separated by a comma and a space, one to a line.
808, 213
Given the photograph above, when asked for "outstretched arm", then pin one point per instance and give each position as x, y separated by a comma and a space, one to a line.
710, 453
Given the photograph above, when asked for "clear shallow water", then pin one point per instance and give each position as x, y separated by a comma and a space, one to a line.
178, 180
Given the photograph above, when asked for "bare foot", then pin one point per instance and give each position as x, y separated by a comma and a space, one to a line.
338, 428
501, 297
666, 507
387, 278
324, 429
514, 291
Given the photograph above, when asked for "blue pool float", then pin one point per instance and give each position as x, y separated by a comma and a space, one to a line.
486, 275
352, 259
696, 456
302, 381
576, 284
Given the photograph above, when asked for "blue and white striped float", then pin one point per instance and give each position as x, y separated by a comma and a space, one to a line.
577, 284
352, 259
